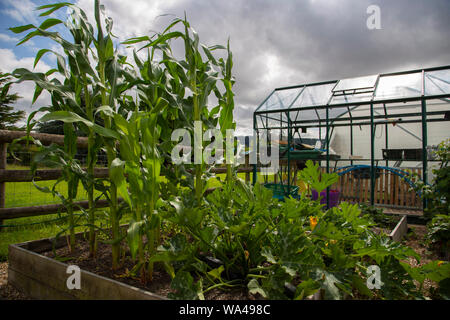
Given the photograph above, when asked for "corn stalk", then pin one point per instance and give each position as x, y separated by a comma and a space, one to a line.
97, 85
200, 76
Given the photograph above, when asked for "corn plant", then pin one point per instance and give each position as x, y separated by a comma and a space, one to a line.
194, 74
226, 102
63, 158
85, 91
136, 175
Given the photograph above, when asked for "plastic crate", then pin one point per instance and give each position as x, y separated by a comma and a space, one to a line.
393, 154
413, 154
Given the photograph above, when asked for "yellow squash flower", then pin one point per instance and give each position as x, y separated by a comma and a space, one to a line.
440, 263
313, 222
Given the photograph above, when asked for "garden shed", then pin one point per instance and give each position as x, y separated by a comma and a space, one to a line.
380, 128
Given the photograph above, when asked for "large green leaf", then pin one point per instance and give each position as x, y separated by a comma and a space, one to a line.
254, 288
21, 29
134, 237
185, 288
53, 7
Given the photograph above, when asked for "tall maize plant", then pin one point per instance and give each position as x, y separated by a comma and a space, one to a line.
136, 174
92, 76
188, 83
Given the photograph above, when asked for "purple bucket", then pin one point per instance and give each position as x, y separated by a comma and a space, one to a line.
334, 197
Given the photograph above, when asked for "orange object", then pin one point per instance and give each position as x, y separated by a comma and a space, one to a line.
313, 222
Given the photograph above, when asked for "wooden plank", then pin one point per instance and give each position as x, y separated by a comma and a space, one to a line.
407, 194
53, 174
377, 190
19, 212
385, 186
42, 175
349, 186
391, 188
3, 154
400, 230
41, 277
396, 190
8, 136
413, 192
352, 190
415, 196
401, 193
345, 186
382, 187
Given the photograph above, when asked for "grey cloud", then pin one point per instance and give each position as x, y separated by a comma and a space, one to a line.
319, 40
287, 42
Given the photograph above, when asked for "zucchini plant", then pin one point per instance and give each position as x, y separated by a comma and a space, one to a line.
286, 250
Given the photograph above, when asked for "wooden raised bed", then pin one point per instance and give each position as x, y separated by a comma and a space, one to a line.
41, 277
44, 278
400, 229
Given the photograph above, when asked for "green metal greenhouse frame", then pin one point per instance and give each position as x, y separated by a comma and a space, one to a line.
330, 104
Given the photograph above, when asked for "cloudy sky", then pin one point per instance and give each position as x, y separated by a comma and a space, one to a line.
275, 43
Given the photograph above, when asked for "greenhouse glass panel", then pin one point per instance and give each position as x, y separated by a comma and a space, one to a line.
365, 82
304, 115
314, 96
437, 82
280, 99
294, 115
399, 86
348, 98
333, 113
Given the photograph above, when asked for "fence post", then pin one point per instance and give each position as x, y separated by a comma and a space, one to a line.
247, 174
3, 154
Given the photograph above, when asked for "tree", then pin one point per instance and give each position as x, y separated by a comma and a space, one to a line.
8, 117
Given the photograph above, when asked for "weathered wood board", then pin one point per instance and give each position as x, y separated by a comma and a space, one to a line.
400, 229
44, 278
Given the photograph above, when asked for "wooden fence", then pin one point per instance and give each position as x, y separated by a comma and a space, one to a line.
7, 137
390, 189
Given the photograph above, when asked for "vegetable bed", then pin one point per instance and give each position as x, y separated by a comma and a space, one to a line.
39, 272
40, 277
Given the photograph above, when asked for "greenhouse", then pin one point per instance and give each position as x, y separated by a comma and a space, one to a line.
359, 123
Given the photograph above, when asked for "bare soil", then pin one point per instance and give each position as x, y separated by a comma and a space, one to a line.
415, 240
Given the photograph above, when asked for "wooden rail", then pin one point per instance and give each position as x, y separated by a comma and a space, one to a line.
7, 136
41, 175
20, 212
